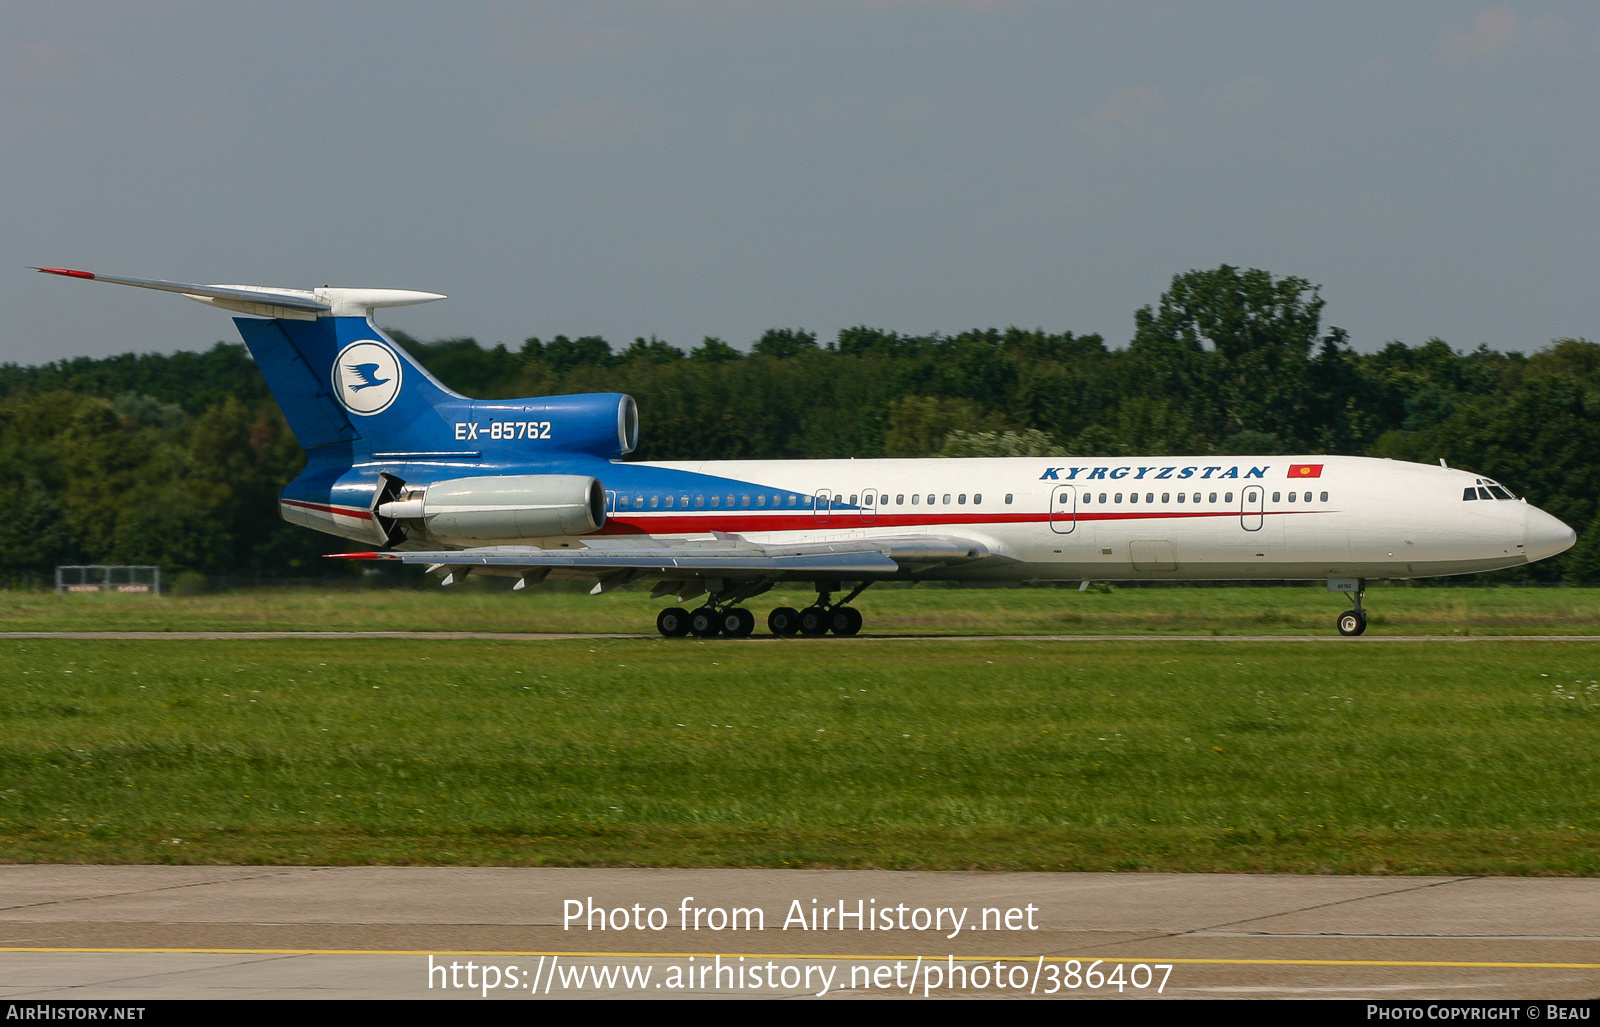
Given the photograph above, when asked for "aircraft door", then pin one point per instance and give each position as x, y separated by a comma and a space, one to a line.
822, 505
1063, 509
869, 506
1252, 507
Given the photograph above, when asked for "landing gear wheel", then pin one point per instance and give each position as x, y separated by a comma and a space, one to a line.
736, 623
814, 620
844, 620
673, 622
705, 622
785, 620
1352, 622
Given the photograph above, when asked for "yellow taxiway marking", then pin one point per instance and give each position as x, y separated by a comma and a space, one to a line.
1469, 964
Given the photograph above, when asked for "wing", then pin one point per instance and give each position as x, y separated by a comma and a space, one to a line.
614, 561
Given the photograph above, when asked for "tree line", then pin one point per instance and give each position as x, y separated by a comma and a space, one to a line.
177, 459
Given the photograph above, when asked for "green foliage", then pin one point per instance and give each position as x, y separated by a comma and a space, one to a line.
177, 459
1027, 442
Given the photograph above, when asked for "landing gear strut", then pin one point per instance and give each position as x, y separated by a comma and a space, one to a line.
720, 616
823, 616
1354, 622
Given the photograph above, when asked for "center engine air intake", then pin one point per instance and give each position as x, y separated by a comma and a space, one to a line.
506, 507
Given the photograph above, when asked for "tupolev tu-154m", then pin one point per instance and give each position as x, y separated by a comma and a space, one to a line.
536, 488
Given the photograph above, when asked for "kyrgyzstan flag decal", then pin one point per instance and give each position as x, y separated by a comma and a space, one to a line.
1305, 470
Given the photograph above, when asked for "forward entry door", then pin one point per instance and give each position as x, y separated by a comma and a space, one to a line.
1252, 507
1063, 509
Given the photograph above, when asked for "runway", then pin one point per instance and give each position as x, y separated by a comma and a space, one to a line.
552, 636
156, 932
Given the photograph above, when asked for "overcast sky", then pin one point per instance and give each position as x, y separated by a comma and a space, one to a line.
695, 167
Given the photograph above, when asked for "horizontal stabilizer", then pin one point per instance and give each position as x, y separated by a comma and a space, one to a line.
265, 301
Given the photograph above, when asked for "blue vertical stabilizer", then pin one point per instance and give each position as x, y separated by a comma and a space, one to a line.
303, 390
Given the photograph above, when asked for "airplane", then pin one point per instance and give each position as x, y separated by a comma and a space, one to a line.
536, 489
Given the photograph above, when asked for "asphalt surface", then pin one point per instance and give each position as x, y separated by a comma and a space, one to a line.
149, 932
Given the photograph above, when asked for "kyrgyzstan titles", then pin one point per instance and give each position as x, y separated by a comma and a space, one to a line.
1150, 473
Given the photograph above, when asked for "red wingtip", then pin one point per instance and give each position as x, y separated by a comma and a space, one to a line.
358, 556
68, 272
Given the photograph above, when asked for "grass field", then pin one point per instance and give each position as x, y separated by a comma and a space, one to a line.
920, 611
1240, 756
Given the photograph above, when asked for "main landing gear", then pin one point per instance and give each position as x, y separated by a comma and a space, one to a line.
706, 622
736, 622
1354, 622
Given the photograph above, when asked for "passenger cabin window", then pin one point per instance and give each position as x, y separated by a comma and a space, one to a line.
622, 501
1117, 498
1149, 497
683, 501
914, 499
977, 498
1008, 498
744, 500
930, 500
699, 501
1291, 497
900, 500
1324, 497
761, 500
947, 499
1102, 497
716, 500
1213, 497
1277, 497
1228, 498
961, 500
1183, 497
1134, 498
669, 502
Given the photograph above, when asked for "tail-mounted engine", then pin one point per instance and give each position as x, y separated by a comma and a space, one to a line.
519, 506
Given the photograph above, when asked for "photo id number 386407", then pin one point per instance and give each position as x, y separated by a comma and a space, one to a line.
1071, 975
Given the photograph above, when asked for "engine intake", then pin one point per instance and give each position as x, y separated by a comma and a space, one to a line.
512, 506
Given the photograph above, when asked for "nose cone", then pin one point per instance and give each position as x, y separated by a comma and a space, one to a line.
1546, 536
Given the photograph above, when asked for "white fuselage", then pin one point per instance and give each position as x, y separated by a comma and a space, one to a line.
1124, 518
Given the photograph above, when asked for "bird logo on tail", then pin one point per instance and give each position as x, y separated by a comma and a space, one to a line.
368, 373
367, 376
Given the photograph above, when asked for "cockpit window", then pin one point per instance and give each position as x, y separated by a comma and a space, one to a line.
1486, 489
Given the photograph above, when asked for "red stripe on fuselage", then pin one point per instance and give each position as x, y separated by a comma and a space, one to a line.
343, 511
673, 523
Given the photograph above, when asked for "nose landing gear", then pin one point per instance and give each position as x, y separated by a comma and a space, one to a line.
1354, 622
